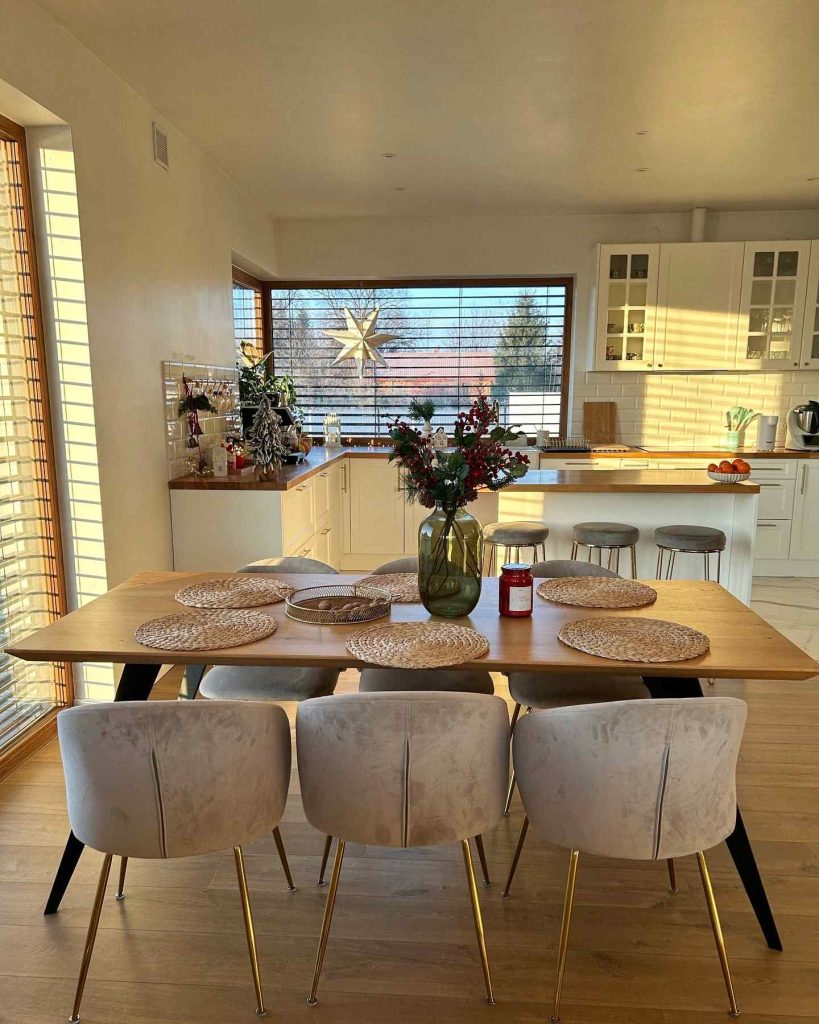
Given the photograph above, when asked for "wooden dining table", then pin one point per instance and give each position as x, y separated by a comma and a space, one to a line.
742, 646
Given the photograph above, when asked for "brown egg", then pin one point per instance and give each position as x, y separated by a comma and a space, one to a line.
324, 605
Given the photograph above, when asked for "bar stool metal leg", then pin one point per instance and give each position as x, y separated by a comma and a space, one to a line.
659, 574
634, 561
573, 555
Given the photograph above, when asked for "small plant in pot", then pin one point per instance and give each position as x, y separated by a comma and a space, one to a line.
450, 539
423, 409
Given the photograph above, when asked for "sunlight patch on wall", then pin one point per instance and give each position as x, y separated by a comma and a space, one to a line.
64, 291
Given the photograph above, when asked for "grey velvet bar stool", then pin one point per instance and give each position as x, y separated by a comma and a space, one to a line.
167, 779
403, 770
609, 537
704, 540
512, 537
637, 780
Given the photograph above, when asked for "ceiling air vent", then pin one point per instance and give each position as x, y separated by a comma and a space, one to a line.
160, 146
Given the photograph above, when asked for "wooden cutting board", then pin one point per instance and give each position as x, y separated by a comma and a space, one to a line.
599, 421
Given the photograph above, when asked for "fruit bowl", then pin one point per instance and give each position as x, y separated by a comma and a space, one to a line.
727, 478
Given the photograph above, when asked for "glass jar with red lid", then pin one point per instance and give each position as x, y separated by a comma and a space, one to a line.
515, 590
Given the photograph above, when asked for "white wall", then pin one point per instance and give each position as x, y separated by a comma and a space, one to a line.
653, 409
157, 254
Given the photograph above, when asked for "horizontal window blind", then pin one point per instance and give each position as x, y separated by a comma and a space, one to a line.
248, 321
452, 342
32, 589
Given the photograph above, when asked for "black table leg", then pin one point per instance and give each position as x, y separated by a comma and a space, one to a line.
739, 846
136, 683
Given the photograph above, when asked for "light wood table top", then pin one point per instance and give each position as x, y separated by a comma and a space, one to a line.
743, 645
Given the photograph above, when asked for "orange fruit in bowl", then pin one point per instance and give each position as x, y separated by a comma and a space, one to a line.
726, 467
741, 466
713, 467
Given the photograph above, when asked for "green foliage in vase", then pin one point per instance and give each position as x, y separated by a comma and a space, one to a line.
421, 409
479, 458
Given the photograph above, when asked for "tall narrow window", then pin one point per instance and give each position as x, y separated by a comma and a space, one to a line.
32, 586
249, 316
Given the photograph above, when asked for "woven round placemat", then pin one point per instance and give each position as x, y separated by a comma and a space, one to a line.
634, 639
401, 586
205, 631
418, 645
597, 592
239, 591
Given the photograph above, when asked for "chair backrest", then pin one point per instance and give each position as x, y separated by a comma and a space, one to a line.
638, 779
560, 567
409, 564
291, 564
403, 769
171, 779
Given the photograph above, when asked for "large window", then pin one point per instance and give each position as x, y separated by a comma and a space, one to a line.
32, 585
452, 340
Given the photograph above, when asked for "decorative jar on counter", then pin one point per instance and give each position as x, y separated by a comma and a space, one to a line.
515, 590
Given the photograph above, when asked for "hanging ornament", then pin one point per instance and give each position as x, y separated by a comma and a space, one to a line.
360, 340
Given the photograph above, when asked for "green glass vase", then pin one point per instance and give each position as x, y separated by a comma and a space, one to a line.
450, 560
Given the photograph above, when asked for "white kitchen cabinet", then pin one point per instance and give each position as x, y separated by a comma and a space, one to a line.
579, 462
298, 517
773, 539
337, 492
805, 531
698, 303
626, 306
810, 329
376, 508
772, 306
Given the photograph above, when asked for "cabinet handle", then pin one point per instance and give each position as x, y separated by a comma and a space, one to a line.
325, 532
804, 479
344, 478
302, 487
322, 474
766, 526
771, 485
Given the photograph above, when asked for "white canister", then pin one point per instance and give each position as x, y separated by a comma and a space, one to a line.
218, 459
766, 438
542, 438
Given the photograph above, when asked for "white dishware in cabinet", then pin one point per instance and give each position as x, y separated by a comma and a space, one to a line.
626, 306
772, 307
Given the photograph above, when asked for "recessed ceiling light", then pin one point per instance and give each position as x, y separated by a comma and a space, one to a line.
389, 156
642, 131
815, 178
400, 188
640, 170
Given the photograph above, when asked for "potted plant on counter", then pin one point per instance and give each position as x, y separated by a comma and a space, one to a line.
450, 539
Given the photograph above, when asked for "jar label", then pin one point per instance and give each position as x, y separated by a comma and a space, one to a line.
520, 599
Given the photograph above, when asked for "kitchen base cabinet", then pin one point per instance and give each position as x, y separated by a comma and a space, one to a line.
805, 532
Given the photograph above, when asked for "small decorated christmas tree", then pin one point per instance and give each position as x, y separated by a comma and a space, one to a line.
267, 441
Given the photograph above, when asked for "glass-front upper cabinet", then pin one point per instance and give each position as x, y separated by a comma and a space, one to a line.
774, 283
810, 332
626, 306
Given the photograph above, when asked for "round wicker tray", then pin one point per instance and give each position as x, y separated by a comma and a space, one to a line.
634, 639
240, 591
206, 630
401, 586
597, 592
303, 605
418, 645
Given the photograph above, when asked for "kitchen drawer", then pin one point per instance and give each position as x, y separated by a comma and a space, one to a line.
321, 494
698, 462
775, 498
578, 462
298, 518
773, 538
773, 469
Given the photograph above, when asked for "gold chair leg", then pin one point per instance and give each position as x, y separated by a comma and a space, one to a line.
123, 864
524, 828
514, 721
672, 875
482, 859
327, 921
509, 793
325, 854
251, 935
93, 924
277, 836
717, 929
564, 934
476, 913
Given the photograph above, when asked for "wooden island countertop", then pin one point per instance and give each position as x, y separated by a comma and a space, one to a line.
627, 481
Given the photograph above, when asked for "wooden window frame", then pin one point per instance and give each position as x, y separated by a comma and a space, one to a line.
245, 280
45, 728
443, 282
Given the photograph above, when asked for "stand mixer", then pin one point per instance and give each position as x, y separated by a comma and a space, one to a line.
803, 427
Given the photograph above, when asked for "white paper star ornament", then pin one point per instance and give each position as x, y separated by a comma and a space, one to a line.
360, 340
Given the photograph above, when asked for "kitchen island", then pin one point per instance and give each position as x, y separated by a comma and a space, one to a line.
347, 508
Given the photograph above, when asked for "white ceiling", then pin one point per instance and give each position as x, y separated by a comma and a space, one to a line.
492, 106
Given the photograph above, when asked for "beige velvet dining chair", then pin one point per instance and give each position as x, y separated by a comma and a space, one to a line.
638, 780
173, 779
403, 770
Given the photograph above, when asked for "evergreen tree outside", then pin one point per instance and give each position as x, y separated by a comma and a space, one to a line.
522, 352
